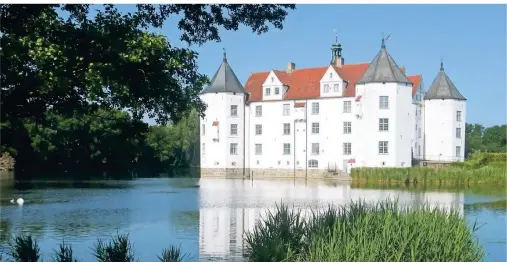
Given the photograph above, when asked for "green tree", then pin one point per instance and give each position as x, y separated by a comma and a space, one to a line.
69, 60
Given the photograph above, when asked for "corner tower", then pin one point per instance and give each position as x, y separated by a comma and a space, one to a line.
383, 111
222, 130
445, 120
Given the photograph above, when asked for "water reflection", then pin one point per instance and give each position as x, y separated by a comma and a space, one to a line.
229, 208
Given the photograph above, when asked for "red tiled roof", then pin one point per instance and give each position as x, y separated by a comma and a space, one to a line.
305, 83
416, 80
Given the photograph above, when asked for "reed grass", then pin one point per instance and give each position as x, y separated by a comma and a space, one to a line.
24, 248
364, 232
480, 168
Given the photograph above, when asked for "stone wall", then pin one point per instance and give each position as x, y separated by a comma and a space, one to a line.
264, 173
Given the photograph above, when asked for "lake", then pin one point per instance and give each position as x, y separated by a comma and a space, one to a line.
206, 217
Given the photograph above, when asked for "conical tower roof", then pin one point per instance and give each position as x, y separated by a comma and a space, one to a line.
224, 80
443, 88
383, 69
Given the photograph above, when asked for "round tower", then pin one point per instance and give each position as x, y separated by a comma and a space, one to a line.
444, 121
222, 134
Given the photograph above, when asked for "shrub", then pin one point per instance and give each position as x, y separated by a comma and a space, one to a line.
173, 254
25, 249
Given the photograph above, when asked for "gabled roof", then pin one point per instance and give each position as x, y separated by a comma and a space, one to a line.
383, 69
443, 88
224, 81
417, 81
305, 83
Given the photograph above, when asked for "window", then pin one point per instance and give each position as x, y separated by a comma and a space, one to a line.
286, 129
458, 132
313, 163
347, 127
336, 87
258, 129
234, 110
330, 75
234, 129
419, 133
233, 149
383, 124
315, 108
286, 149
203, 149
268, 91
258, 110
315, 128
347, 148
458, 116
286, 109
383, 102
419, 150
315, 148
258, 149
272, 79
383, 147
347, 106
277, 90
203, 129
458, 151
326, 88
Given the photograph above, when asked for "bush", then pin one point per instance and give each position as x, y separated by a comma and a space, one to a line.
365, 232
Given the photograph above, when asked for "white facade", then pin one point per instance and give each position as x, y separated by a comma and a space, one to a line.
445, 130
384, 124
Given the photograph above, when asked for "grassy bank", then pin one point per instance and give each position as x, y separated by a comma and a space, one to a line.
480, 168
363, 232
25, 248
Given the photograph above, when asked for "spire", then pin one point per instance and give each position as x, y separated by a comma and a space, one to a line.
383, 42
443, 88
336, 52
383, 69
224, 80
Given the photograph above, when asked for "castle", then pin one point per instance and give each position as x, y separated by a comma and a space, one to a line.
328, 120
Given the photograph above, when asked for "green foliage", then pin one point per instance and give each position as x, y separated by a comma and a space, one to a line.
367, 232
118, 249
66, 63
25, 249
173, 254
479, 168
64, 254
481, 139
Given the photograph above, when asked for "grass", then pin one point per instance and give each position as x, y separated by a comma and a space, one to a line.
24, 248
363, 232
489, 168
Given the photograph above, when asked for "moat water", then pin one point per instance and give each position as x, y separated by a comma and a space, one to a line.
206, 217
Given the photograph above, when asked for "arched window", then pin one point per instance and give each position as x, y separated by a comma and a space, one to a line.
313, 163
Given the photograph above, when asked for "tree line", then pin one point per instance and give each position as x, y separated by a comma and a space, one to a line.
485, 139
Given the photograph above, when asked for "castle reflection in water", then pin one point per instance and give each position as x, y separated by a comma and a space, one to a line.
229, 208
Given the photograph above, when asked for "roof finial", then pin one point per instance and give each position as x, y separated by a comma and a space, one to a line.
225, 54
442, 65
383, 41
336, 35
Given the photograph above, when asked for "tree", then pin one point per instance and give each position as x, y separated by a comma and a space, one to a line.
64, 60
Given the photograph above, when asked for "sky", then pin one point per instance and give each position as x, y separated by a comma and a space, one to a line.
471, 40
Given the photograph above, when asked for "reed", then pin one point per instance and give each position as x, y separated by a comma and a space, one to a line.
24, 248
367, 232
480, 168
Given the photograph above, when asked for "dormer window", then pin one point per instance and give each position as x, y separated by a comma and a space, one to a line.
268, 91
326, 88
277, 90
272, 79
336, 87
330, 75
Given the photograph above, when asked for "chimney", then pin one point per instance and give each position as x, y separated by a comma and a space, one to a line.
291, 67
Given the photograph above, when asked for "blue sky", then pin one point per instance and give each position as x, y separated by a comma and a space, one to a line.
470, 38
